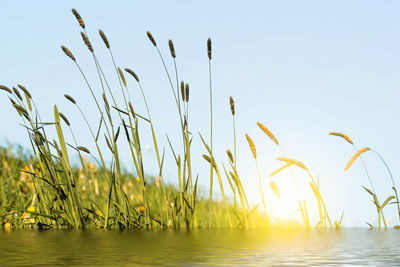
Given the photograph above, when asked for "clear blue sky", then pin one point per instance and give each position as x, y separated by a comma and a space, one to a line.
303, 68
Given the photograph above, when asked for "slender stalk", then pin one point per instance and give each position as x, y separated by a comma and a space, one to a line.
211, 141
391, 177
261, 189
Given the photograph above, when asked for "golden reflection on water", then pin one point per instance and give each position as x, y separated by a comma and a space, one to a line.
274, 246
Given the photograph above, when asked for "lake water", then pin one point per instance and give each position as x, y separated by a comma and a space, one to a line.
291, 247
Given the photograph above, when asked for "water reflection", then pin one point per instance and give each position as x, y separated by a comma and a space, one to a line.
203, 247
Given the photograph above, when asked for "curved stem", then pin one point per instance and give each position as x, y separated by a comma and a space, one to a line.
391, 177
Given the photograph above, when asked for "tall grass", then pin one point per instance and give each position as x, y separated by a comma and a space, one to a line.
47, 190
358, 155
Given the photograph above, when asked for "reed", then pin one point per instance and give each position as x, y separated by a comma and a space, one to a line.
209, 54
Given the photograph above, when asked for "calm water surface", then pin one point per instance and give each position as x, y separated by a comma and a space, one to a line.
202, 247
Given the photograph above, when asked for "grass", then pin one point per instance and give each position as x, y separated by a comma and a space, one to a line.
45, 190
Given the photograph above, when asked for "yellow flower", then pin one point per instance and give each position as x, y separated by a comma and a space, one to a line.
138, 179
99, 213
141, 209
31, 209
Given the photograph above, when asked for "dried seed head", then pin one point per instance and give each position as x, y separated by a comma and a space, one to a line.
122, 76
22, 111
87, 42
5, 88
209, 160
68, 53
20, 108
229, 155
25, 90
171, 48
78, 18
187, 92
293, 162
151, 38
84, 149
70, 98
183, 91
209, 48
132, 110
275, 189
106, 102
64, 119
345, 137
105, 40
232, 103
131, 72
267, 132
252, 146
16, 92
359, 152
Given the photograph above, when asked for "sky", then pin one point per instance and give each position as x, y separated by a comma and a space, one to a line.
302, 68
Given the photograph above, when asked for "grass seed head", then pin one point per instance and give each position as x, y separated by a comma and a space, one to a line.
183, 91
106, 102
84, 149
171, 48
232, 103
104, 37
25, 90
131, 72
355, 156
187, 92
132, 110
5, 88
293, 162
268, 132
16, 92
78, 18
21, 109
252, 146
64, 119
68, 53
70, 98
345, 137
87, 42
209, 160
122, 76
209, 48
229, 153
275, 189
151, 38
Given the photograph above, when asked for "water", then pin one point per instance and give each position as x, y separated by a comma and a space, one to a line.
202, 247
